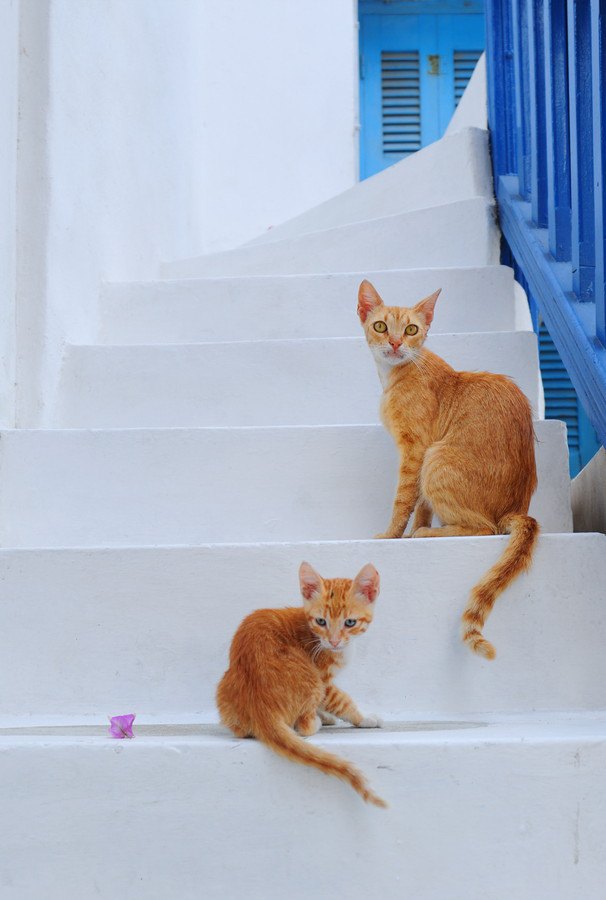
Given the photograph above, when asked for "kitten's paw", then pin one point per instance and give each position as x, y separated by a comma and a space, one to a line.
387, 536
327, 718
371, 722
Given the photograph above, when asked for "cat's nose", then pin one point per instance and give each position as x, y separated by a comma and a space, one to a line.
395, 343
335, 643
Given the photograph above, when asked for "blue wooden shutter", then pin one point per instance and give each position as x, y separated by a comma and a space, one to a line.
400, 103
464, 62
561, 401
416, 57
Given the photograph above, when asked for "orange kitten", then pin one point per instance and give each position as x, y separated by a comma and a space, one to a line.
281, 666
466, 445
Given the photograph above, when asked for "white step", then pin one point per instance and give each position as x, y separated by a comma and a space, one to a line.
300, 382
299, 306
509, 809
147, 630
454, 168
455, 234
189, 486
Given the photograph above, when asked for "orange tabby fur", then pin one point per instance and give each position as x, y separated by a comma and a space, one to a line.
466, 445
281, 669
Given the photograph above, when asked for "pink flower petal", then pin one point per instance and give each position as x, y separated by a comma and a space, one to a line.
121, 726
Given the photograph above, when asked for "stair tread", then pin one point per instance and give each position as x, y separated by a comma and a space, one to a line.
163, 811
85, 487
150, 627
237, 383
290, 306
453, 168
563, 725
462, 233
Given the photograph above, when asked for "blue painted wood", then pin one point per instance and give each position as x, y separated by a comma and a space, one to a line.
415, 99
551, 192
557, 155
519, 16
588, 439
598, 47
561, 399
501, 87
454, 34
570, 322
508, 82
421, 7
536, 96
390, 32
581, 148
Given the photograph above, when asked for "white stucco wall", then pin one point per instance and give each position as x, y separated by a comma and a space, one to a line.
9, 25
156, 129
108, 164
279, 111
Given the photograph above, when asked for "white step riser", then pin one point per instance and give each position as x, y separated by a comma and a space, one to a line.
455, 168
180, 486
297, 306
261, 383
148, 631
189, 819
456, 234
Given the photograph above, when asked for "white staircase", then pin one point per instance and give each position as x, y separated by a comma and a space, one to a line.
223, 428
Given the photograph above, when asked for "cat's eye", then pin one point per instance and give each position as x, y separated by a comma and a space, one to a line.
411, 329
349, 623
380, 327
321, 622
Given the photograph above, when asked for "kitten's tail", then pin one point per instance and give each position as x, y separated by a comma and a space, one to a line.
287, 743
516, 558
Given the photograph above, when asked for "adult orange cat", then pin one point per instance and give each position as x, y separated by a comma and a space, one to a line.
281, 668
466, 445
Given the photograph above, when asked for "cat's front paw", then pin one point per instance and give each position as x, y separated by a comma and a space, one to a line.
371, 722
387, 536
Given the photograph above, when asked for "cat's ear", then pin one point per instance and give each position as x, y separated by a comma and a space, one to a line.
426, 307
368, 299
366, 583
311, 583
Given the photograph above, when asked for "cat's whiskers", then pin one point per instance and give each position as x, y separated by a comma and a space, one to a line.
421, 364
313, 647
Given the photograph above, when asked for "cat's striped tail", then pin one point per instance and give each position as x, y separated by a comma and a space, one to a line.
516, 558
287, 743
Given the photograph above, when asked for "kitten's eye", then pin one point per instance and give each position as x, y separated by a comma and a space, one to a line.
411, 329
349, 623
321, 622
380, 327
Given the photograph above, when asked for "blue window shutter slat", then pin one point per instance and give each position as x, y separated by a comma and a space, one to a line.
400, 103
561, 401
464, 62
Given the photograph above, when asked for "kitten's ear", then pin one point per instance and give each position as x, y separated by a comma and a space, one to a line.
311, 583
366, 583
368, 299
426, 307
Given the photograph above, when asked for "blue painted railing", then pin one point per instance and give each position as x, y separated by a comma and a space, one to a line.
546, 62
